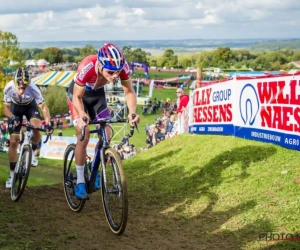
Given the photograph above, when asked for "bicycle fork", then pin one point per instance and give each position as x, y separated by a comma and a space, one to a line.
17, 167
115, 188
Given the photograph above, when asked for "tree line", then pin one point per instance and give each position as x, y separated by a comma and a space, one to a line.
222, 57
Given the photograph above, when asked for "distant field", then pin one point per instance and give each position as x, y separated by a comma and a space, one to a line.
178, 51
154, 74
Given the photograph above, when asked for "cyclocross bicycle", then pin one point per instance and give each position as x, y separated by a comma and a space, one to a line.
113, 181
23, 165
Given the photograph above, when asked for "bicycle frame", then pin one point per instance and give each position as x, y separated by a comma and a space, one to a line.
22, 169
102, 145
99, 155
113, 187
26, 141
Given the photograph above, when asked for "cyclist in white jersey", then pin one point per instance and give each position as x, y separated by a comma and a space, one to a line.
22, 98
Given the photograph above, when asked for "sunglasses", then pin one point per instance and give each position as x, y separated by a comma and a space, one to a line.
21, 87
179, 92
112, 72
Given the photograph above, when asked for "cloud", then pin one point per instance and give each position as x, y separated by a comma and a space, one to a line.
149, 19
35, 6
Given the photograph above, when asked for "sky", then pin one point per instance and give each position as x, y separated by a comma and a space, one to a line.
78, 20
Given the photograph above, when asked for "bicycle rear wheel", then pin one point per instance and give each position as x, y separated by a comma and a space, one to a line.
114, 192
21, 173
70, 179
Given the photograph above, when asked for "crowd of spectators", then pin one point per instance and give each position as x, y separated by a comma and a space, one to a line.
155, 106
163, 128
125, 149
4, 136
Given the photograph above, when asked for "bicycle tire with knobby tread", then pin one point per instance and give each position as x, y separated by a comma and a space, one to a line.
76, 207
119, 229
25, 178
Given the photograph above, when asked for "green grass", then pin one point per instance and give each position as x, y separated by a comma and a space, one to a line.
216, 189
239, 188
42, 175
159, 74
160, 94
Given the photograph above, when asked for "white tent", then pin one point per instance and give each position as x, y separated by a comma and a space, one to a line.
30, 63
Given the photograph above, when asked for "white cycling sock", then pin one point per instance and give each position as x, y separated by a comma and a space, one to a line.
12, 174
80, 174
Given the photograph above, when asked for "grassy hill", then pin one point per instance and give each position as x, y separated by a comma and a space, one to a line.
228, 188
192, 192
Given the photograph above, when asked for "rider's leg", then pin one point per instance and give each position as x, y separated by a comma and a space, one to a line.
104, 114
14, 141
80, 153
33, 115
13, 146
36, 138
80, 150
12, 155
12, 151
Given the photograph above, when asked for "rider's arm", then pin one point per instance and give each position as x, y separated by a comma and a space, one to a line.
7, 100
78, 93
46, 112
86, 70
130, 95
39, 99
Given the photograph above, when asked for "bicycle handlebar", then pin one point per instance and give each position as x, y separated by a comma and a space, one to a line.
106, 121
30, 127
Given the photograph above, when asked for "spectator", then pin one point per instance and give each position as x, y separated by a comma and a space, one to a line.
57, 122
60, 124
182, 101
158, 135
150, 141
3, 128
168, 124
147, 128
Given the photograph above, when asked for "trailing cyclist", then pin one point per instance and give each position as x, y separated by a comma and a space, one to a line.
22, 98
87, 99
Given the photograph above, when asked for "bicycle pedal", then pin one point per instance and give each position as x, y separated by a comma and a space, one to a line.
87, 198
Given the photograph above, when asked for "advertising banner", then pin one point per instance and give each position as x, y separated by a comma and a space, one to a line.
269, 110
266, 109
213, 109
55, 148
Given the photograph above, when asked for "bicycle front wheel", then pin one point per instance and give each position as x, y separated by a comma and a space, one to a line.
21, 173
70, 179
114, 192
